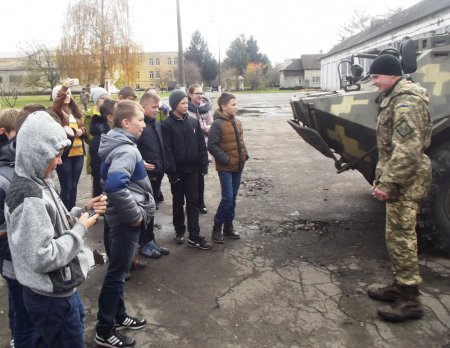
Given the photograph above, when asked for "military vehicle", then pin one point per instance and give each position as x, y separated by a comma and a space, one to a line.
342, 124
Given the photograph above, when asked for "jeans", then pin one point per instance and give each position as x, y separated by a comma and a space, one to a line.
20, 322
229, 182
187, 187
111, 303
68, 174
59, 321
147, 233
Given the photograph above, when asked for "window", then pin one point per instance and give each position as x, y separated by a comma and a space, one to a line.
169, 61
150, 61
157, 74
157, 62
151, 74
138, 75
169, 75
1, 79
316, 79
175, 61
15, 78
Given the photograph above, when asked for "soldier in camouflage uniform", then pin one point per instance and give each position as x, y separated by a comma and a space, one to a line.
403, 178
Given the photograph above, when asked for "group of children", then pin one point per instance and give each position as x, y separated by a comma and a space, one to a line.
45, 240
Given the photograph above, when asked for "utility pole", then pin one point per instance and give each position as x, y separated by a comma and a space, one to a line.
180, 49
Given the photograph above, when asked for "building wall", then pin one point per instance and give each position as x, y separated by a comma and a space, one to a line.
157, 69
291, 79
312, 78
439, 24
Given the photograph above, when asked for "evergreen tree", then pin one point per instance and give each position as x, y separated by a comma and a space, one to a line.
198, 53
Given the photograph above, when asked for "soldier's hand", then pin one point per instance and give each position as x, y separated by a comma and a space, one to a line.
380, 195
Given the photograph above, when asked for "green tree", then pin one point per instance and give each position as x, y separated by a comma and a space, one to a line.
97, 43
236, 55
242, 52
198, 53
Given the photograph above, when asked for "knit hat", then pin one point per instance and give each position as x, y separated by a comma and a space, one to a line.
97, 92
126, 92
175, 97
386, 64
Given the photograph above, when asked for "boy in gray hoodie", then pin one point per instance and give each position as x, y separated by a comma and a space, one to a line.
130, 208
45, 240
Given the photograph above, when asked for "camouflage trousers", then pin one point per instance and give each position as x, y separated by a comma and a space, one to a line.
401, 241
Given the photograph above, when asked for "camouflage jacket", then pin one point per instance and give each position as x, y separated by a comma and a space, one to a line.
403, 134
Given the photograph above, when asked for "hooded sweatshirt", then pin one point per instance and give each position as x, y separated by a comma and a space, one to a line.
125, 180
45, 240
7, 156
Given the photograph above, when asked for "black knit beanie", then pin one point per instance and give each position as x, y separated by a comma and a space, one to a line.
175, 98
386, 64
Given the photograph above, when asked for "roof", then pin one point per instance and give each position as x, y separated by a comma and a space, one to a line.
306, 62
293, 64
419, 11
311, 61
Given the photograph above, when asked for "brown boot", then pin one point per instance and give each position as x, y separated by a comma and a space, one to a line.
217, 236
228, 230
388, 293
406, 307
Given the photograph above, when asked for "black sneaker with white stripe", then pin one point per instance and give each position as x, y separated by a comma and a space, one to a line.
131, 323
114, 339
199, 242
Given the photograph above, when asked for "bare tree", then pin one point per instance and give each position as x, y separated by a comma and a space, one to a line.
192, 73
97, 43
10, 90
360, 20
40, 63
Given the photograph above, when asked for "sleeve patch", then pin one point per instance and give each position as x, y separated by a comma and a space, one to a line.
403, 107
403, 128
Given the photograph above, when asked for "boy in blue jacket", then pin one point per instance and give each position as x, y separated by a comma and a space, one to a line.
130, 208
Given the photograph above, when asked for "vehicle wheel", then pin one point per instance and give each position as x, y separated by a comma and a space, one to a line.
434, 217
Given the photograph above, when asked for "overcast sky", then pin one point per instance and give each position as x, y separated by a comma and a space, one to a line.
282, 28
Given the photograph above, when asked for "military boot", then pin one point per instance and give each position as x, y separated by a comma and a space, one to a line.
388, 293
229, 230
217, 236
406, 307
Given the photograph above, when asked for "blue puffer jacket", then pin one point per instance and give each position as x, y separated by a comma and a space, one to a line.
125, 180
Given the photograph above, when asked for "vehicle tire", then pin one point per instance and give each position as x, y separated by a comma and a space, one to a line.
434, 216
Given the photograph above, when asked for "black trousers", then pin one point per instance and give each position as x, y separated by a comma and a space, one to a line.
201, 190
186, 188
97, 188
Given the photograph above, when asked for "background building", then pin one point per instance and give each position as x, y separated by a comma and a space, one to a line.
422, 20
157, 69
301, 73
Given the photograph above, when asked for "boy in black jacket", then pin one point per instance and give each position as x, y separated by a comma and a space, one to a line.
151, 147
186, 155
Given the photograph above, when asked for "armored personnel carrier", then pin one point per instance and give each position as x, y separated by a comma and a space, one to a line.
342, 124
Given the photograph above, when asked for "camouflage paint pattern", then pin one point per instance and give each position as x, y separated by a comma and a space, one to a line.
404, 133
401, 241
347, 121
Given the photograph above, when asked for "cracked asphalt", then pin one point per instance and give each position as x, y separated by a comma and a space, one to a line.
312, 241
